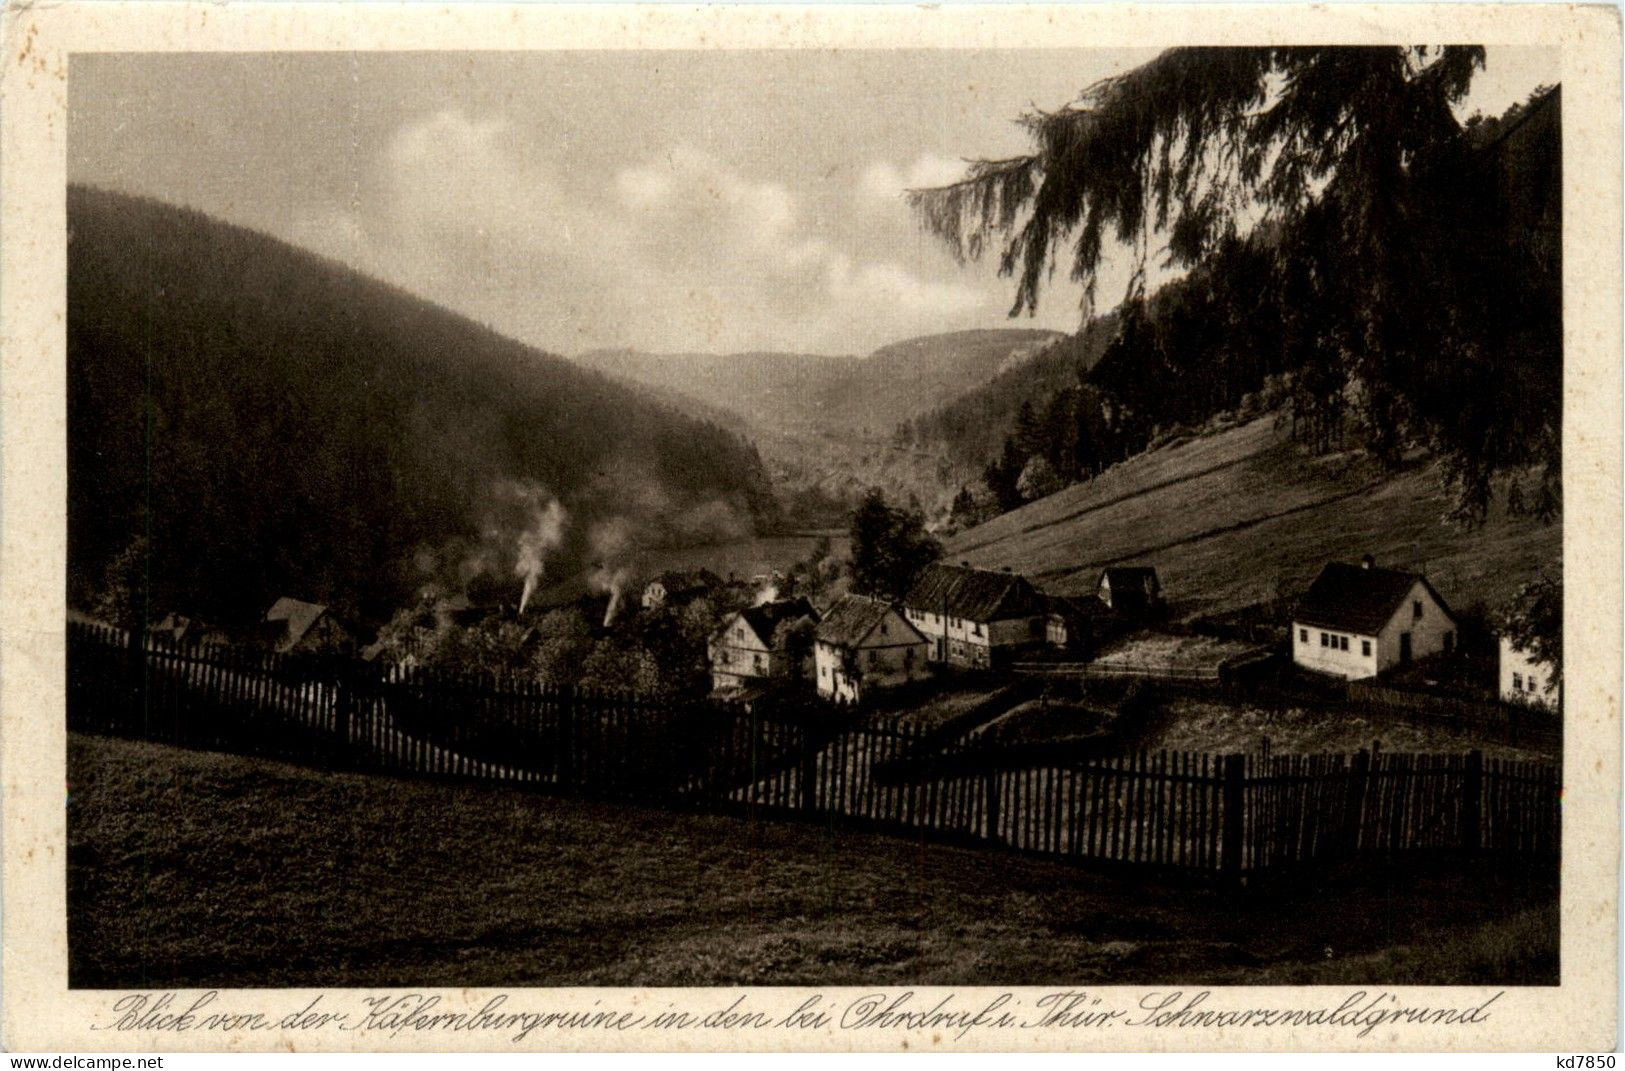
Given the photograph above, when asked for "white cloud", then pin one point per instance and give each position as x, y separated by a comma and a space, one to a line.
884, 181
902, 290
673, 253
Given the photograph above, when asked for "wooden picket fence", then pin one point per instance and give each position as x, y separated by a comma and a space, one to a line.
1498, 720
1223, 816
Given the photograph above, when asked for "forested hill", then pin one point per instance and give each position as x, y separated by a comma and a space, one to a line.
972, 426
247, 420
780, 390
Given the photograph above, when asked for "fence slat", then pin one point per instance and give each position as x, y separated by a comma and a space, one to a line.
1222, 815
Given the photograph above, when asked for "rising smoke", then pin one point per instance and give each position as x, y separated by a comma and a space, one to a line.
610, 543
544, 535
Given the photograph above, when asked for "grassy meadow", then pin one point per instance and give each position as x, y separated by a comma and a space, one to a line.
189, 868
1245, 516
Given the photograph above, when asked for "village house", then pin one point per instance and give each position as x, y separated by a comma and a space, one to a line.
307, 628
176, 630
1078, 624
1524, 680
750, 647
1130, 590
1357, 621
864, 644
676, 587
975, 617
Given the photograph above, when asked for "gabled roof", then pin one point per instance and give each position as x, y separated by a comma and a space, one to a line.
768, 616
176, 625
298, 617
850, 621
1128, 576
974, 594
1354, 598
1078, 606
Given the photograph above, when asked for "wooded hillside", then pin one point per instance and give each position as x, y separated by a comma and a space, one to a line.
247, 420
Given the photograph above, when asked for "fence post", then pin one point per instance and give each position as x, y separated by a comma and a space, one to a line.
809, 767
990, 784
1472, 794
343, 705
1230, 854
1354, 804
567, 737
136, 674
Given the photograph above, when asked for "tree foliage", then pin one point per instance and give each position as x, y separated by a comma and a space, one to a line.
1410, 292
889, 547
1534, 622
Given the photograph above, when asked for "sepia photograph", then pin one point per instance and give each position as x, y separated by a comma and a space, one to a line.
901, 517
815, 518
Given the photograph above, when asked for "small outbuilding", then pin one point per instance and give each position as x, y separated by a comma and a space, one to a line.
1130, 590
1078, 624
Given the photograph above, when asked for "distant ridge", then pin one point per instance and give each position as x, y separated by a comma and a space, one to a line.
876, 392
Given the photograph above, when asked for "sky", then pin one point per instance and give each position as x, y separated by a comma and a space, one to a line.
672, 201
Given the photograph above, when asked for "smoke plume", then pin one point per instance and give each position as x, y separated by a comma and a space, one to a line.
541, 537
610, 543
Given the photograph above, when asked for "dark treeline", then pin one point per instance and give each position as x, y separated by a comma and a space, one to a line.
246, 420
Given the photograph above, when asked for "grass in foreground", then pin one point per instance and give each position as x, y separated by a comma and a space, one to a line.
190, 868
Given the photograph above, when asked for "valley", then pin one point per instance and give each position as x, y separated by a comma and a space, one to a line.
827, 427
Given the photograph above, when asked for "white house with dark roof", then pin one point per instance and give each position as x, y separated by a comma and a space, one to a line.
1524, 680
749, 647
975, 617
1357, 621
677, 586
863, 644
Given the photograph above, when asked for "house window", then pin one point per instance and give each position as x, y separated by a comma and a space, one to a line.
883, 628
1303, 635
1325, 640
1517, 682
976, 630
1365, 648
1416, 609
1342, 643
874, 657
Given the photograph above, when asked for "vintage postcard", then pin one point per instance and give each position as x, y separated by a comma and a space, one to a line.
954, 527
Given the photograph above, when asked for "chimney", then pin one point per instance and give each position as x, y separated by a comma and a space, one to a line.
1367, 562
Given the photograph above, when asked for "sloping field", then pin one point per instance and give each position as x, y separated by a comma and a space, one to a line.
188, 868
1246, 515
